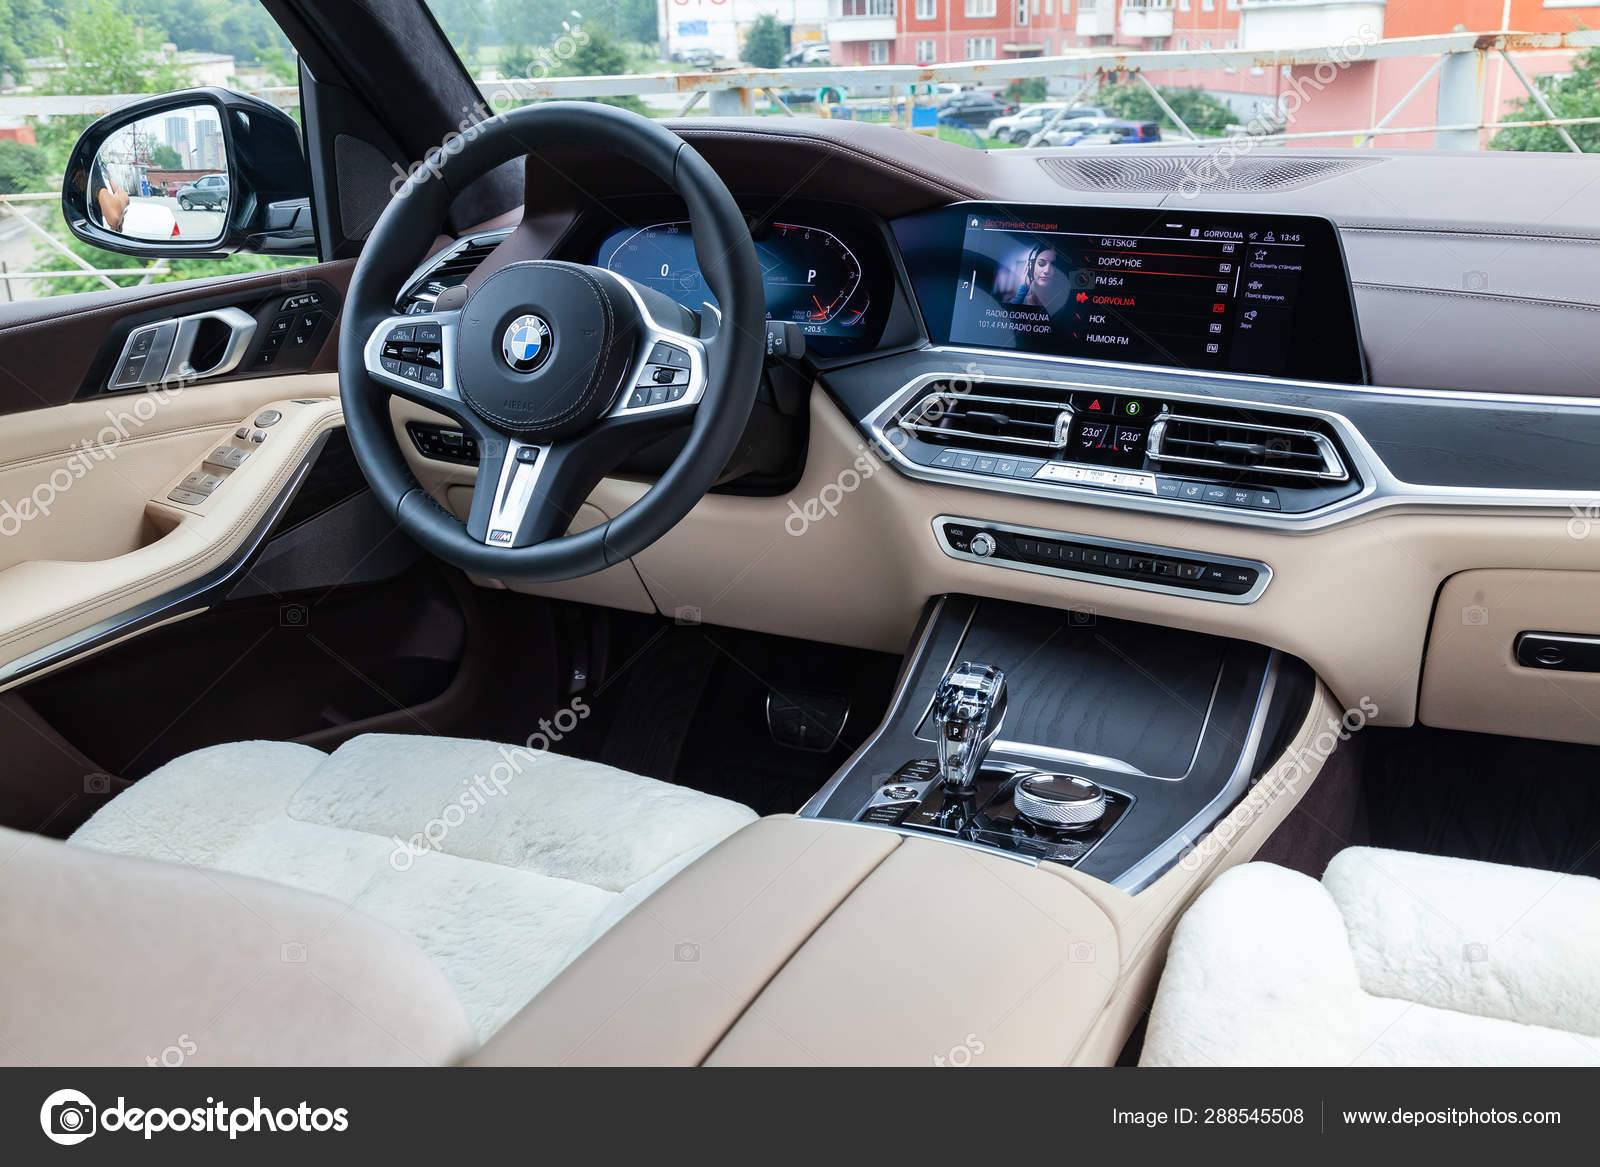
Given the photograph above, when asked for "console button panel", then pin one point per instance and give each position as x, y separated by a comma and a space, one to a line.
912, 799
1134, 565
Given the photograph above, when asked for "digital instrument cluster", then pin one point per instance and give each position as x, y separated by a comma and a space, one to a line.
835, 289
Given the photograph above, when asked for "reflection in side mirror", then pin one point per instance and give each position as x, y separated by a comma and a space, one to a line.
163, 177
200, 172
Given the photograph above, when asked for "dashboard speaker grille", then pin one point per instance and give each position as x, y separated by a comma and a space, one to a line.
1168, 172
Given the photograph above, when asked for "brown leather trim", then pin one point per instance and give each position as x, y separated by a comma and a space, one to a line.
48, 345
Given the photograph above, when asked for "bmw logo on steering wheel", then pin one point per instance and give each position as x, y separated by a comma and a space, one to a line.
526, 343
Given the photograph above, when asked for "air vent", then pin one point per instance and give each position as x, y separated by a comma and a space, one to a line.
1012, 418
449, 269
1180, 440
1170, 172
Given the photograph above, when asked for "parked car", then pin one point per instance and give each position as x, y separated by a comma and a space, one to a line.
209, 192
1072, 131
1128, 131
1020, 127
699, 58
974, 109
830, 94
808, 54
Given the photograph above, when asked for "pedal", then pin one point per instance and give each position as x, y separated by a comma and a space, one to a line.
813, 722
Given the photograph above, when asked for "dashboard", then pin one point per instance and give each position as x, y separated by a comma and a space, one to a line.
1264, 294
1364, 468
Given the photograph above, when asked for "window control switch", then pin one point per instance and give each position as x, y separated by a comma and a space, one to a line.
228, 457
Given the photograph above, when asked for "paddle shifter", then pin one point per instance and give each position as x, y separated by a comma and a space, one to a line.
967, 712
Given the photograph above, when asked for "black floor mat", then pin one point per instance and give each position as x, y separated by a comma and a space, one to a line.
661, 690
689, 706
1478, 796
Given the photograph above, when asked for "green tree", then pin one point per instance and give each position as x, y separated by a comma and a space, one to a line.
243, 29
598, 54
27, 29
164, 157
280, 66
107, 51
1201, 112
633, 20
1031, 89
516, 60
1576, 95
766, 42
22, 167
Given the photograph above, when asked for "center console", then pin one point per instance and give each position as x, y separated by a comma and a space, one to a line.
1066, 737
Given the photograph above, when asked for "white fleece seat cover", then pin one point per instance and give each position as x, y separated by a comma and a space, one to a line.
503, 863
1393, 959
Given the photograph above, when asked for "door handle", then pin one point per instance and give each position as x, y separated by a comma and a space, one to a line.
169, 349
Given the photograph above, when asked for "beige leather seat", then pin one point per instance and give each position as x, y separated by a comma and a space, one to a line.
1392, 959
455, 878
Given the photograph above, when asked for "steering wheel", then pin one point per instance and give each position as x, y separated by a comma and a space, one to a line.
557, 370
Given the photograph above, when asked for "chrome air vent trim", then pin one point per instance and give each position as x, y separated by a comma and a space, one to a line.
1332, 468
1380, 489
931, 415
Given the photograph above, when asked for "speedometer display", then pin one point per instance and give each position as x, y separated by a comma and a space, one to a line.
812, 276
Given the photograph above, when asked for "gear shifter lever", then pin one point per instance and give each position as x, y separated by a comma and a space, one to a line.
967, 711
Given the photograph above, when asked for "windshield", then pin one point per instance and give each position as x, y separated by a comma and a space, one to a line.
1005, 74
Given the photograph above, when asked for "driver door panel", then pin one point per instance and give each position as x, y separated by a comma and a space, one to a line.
90, 533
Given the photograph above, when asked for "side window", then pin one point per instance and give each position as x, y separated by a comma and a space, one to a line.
71, 49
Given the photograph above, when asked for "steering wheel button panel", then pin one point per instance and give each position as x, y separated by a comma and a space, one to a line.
666, 354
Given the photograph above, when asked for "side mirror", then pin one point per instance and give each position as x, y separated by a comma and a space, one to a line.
198, 173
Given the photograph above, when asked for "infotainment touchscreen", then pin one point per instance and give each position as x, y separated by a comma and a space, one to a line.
1234, 292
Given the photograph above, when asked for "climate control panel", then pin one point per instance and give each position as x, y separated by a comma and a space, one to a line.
1201, 575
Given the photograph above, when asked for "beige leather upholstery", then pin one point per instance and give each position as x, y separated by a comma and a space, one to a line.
662, 986
1473, 680
943, 955
112, 539
809, 942
109, 960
